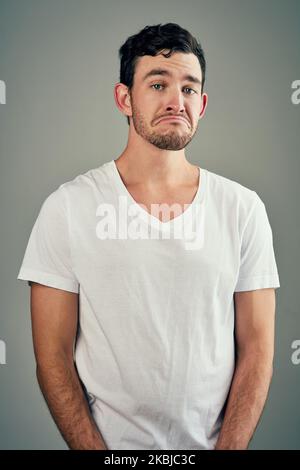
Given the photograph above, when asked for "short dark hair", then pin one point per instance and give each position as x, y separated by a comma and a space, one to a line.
150, 41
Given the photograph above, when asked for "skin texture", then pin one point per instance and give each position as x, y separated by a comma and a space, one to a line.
54, 314
154, 169
254, 332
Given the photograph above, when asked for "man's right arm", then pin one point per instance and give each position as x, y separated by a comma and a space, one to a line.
54, 314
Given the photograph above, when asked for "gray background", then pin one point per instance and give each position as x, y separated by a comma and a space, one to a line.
59, 60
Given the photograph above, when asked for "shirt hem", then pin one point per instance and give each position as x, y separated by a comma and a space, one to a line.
48, 279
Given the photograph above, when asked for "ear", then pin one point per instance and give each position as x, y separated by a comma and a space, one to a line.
122, 98
204, 104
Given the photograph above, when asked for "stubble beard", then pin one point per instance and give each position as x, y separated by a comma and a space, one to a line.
171, 140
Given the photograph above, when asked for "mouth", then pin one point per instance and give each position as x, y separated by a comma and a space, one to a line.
173, 119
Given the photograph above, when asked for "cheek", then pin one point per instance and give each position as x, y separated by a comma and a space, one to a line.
145, 105
196, 116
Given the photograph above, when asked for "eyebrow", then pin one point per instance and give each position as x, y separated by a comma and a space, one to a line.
165, 72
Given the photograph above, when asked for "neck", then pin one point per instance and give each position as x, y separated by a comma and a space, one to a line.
155, 169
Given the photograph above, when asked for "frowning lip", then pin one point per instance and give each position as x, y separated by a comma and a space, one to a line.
173, 118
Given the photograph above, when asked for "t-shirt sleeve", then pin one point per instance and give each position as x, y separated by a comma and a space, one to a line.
47, 258
258, 269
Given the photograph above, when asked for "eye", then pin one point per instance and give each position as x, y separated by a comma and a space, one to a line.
160, 85
187, 88
156, 84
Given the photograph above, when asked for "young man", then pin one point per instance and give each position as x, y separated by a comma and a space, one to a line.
146, 339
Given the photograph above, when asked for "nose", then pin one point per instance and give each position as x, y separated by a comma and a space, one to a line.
175, 102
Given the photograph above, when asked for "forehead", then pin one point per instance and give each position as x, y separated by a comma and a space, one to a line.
179, 63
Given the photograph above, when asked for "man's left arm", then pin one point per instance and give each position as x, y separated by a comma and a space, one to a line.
254, 333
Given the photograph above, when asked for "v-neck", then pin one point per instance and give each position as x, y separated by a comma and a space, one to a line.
184, 217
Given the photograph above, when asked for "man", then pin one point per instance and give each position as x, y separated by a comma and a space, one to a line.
146, 339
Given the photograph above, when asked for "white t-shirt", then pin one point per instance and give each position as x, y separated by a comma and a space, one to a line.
155, 348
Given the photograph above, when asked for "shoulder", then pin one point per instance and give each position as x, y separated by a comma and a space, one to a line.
93, 178
229, 193
81, 188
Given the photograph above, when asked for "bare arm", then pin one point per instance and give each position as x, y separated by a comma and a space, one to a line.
255, 313
54, 314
